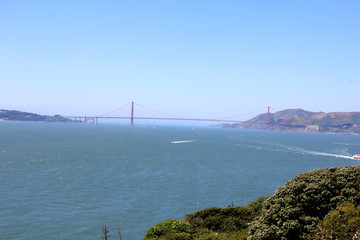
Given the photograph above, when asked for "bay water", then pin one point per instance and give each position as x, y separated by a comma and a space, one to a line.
63, 181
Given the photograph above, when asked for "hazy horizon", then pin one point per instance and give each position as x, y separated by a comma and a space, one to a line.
195, 59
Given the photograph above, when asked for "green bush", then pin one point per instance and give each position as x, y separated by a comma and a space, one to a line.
210, 235
221, 219
343, 223
257, 205
170, 229
211, 223
296, 208
296, 211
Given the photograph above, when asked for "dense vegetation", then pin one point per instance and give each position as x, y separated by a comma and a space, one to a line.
296, 208
211, 223
11, 115
343, 223
319, 204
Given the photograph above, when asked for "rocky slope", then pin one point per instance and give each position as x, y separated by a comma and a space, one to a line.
298, 120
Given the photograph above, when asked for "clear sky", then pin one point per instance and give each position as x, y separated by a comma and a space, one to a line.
193, 58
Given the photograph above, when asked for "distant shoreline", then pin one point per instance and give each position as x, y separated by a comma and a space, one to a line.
299, 120
18, 116
3, 120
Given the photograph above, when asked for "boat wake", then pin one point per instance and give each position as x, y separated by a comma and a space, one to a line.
348, 144
304, 151
293, 149
184, 141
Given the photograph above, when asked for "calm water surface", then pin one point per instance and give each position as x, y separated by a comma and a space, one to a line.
63, 181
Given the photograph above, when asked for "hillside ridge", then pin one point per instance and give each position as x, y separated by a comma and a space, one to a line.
14, 115
299, 120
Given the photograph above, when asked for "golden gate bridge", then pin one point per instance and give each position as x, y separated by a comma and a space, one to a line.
132, 117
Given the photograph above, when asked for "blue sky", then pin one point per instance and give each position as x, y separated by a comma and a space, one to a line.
185, 58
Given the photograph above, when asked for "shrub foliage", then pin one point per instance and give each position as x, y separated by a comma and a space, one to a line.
222, 219
296, 208
209, 224
319, 204
343, 223
169, 229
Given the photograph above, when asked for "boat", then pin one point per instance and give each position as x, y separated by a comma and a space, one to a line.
184, 141
356, 156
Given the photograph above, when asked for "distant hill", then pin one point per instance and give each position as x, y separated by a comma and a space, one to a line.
298, 120
12, 115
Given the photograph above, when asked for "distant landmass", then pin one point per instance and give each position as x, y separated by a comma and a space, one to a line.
13, 115
298, 120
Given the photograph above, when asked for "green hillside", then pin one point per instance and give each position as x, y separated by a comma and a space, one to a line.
13, 115
298, 120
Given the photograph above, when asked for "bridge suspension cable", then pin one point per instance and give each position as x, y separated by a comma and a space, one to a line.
244, 114
157, 111
169, 116
177, 116
117, 109
224, 118
273, 109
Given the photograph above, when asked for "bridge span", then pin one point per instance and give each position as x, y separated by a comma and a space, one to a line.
94, 119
